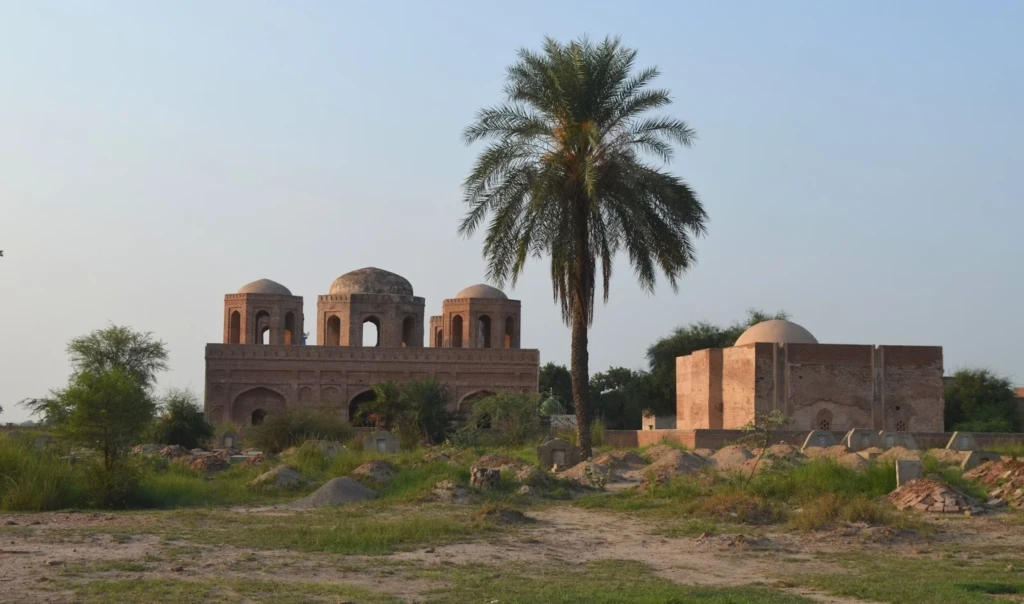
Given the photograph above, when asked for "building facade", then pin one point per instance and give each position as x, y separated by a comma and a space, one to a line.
778, 365
370, 329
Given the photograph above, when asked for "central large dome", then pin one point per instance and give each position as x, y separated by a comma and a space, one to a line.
776, 331
371, 280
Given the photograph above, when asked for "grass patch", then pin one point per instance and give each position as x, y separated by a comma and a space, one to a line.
902, 580
606, 582
180, 591
824, 512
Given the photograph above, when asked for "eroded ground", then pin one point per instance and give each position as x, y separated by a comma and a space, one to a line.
437, 553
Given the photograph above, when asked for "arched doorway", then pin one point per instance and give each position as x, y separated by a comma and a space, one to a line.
457, 331
289, 328
258, 416
262, 325
333, 329
483, 332
257, 399
439, 338
465, 410
371, 331
408, 324
510, 329
235, 327
353, 409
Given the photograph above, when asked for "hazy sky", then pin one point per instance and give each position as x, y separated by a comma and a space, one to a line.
861, 163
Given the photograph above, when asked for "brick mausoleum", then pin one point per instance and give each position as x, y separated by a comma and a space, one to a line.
264, 366
778, 365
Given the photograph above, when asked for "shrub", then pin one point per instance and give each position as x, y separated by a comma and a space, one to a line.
32, 480
295, 426
597, 432
978, 400
738, 507
182, 421
114, 486
824, 512
426, 411
515, 413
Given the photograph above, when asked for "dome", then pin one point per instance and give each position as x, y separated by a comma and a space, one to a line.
776, 331
482, 290
371, 280
265, 286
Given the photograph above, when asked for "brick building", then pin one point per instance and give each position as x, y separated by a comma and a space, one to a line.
780, 365
370, 329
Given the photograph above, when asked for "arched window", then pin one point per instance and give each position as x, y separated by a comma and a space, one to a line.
353, 409
483, 332
289, 328
262, 324
457, 331
510, 329
407, 327
823, 421
371, 331
333, 335
235, 327
439, 338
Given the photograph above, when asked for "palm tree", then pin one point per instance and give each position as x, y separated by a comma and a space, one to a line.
571, 172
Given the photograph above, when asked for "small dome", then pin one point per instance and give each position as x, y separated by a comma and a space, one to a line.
482, 290
776, 331
265, 286
371, 280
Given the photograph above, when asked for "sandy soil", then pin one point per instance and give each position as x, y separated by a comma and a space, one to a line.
43, 548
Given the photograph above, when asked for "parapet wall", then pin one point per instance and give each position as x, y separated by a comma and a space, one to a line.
716, 439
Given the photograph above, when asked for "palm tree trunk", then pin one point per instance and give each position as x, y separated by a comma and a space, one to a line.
580, 373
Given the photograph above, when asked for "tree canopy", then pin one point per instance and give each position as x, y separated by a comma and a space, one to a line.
135, 353
978, 400
573, 172
181, 420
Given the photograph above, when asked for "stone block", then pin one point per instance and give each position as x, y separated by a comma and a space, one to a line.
238, 459
859, 439
820, 438
557, 452
907, 470
976, 458
897, 439
381, 441
962, 441
484, 478
228, 440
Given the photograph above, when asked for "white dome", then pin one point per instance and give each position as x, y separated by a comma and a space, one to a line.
265, 286
776, 331
482, 290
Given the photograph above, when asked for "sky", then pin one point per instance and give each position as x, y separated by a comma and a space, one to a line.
860, 163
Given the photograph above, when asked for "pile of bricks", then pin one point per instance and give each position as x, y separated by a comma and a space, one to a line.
925, 495
1004, 478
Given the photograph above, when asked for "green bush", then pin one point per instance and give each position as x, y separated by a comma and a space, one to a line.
114, 487
182, 421
32, 480
295, 426
516, 414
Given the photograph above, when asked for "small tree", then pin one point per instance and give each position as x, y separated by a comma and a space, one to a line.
759, 434
137, 354
181, 421
516, 413
295, 426
426, 410
105, 410
978, 400
386, 408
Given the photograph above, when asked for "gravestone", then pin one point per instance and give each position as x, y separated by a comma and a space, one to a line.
962, 441
820, 438
897, 439
381, 441
557, 452
859, 439
976, 458
907, 470
228, 440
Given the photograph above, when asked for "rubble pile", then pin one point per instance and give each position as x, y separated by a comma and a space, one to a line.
926, 495
1005, 480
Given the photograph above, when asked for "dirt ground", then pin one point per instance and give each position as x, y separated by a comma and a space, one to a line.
40, 552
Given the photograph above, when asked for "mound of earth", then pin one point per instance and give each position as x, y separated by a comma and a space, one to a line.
281, 477
255, 460
147, 449
896, 453
495, 460
926, 495
209, 463
674, 463
853, 461
174, 452
730, 458
447, 491
1005, 478
833, 452
578, 473
376, 470
947, 456
531, 476
705, 453
621, 460
434, 456
503, 515
655, 452
336, 491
